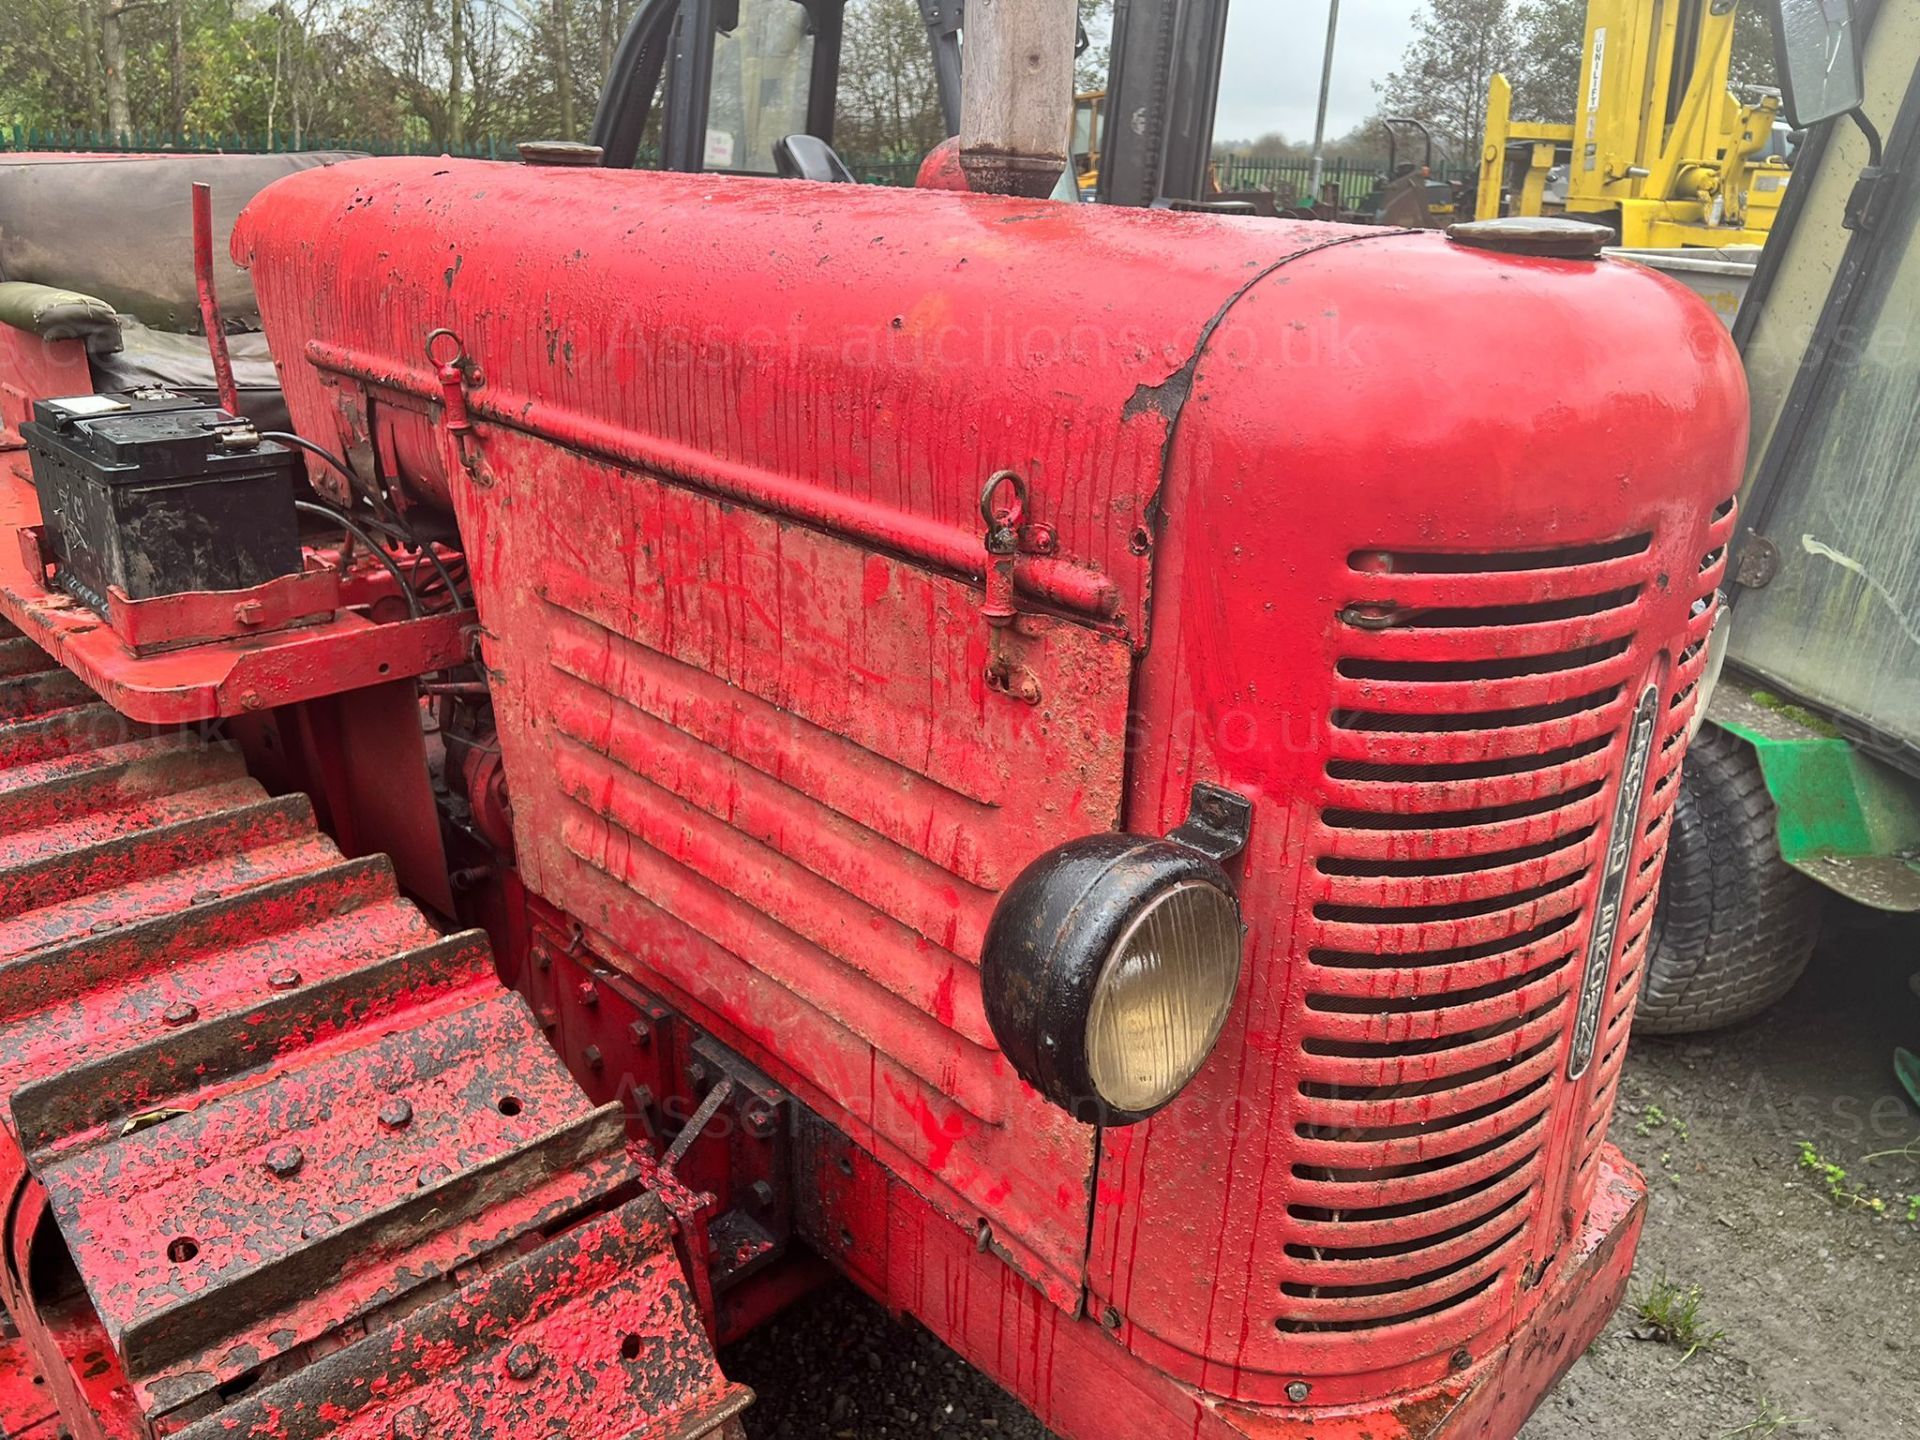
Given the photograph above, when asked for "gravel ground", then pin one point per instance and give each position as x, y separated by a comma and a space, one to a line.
1816, 1303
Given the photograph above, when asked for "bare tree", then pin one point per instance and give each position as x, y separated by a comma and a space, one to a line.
456, 73
563, 66
90, 51
279, 68
113, 55
1457, 49
889, 99
177, 64
1096, 18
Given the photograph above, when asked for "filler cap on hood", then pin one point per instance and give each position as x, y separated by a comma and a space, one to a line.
1530, 235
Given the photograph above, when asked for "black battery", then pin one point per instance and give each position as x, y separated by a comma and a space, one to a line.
159, 494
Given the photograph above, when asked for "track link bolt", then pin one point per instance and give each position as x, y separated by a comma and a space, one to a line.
431, 1175
395, 1113
286, 1160
180, 1012
1298, 1392
523, 1362
285, 978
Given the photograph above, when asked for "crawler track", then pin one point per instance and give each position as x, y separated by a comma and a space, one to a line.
278, 1157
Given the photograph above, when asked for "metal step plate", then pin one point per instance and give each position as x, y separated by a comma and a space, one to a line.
280, 1159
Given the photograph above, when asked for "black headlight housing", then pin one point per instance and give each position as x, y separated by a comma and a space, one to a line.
1111, 963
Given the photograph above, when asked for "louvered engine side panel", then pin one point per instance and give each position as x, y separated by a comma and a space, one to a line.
762, 766
1483, 706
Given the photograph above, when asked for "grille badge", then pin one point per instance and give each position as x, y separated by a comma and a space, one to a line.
1613, 887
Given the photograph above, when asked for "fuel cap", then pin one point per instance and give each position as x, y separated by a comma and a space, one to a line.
1550, 236
559, 152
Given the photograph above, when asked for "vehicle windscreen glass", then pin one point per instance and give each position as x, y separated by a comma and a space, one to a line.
762, 78
1840, 622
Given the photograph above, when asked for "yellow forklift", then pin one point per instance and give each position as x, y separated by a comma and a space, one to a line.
1089, 132
1659, 147
1805, 782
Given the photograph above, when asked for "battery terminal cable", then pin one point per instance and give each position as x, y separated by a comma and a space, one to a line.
397, 529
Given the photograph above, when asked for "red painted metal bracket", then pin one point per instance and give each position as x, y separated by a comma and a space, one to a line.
231, 676
202, 617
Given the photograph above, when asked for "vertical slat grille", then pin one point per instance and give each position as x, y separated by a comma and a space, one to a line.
1480, 707
1623, 993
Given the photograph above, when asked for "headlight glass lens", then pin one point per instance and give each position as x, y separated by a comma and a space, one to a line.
1163, 997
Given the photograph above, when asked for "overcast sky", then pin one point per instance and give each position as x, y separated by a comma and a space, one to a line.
1272, 76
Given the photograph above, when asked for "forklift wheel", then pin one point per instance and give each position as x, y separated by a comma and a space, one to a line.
1736, 924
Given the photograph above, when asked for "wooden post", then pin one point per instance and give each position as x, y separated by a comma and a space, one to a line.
1016, 113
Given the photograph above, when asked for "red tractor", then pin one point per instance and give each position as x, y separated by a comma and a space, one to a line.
748, 730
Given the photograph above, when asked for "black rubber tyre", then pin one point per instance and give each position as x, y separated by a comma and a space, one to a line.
1735, 925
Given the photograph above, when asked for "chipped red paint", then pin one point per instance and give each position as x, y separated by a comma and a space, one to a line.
1079, 1380
362, 759
586, 1337
198, 617
775, 732
757, 720
269, 1107
26, 1405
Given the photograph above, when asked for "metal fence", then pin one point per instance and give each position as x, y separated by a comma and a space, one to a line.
1292, 179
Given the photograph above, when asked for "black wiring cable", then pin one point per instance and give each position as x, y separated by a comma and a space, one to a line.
405, 531
404, 535
286, 437
379, 551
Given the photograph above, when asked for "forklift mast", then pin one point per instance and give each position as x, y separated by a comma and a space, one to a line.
1165, 87
1658, 144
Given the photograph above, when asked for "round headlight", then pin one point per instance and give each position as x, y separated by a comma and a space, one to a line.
1109, 971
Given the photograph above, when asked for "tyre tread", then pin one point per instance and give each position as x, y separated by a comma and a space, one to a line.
1735, 926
